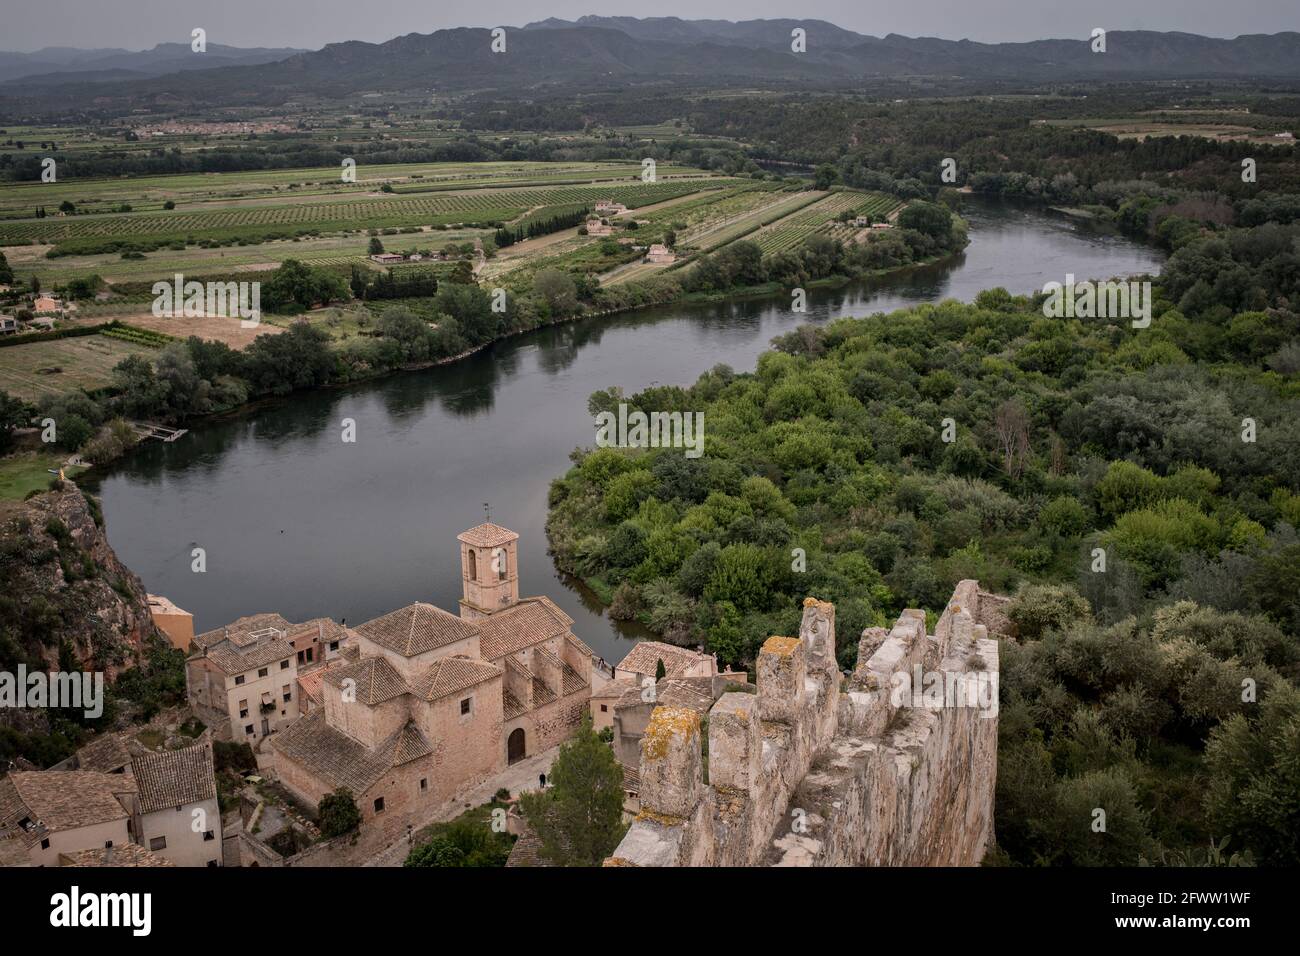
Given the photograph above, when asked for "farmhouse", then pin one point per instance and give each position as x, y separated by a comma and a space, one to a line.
597, 227
661, 254
387, 258
8, 325
607, 207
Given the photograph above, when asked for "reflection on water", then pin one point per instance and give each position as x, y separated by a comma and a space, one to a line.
293, 520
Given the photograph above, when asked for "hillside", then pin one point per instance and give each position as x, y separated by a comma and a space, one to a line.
608, 52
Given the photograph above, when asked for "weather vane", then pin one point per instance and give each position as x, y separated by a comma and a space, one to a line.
487, 512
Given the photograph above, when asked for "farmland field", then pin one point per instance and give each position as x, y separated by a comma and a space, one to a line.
40, 369
820, 217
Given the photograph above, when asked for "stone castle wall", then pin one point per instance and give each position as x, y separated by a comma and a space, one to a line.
819, 770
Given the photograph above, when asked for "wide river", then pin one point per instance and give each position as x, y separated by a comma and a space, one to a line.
295, 520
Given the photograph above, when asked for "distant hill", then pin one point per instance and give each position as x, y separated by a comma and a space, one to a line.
606, 52
58, 65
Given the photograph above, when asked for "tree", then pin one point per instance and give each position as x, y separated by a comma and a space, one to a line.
556, 289
338, 813
14, 414
660, 671
1011, 425
579, 818
376, 247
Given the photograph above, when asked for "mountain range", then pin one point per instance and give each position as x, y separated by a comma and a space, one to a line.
605, 52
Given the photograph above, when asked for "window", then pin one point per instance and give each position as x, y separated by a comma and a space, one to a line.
263, 672
604, 708
465, 705
284, 664
473, 565
158, 843
243, 708
108, 844
288, 696
239, 679
502, 561
243, 712
45, 844
379, 804
212, 862
208, 835
248, 729
334, 645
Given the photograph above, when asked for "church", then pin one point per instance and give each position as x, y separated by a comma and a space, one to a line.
423, 704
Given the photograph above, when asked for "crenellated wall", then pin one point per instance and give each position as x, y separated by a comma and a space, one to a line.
893, 766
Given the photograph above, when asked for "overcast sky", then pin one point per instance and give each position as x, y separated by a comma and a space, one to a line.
139, 24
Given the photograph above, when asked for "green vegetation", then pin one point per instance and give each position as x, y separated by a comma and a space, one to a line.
579, 816
827, 473
477, 838
338, 813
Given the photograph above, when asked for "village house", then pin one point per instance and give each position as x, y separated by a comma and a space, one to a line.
165, 801
642, 662
47, 305
8, 325
436, 702
62, 811
180, 819
241, 678
597, 227
387, 258
862, 222
661, 254
607, 207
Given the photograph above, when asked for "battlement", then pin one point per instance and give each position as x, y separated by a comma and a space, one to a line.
896, 767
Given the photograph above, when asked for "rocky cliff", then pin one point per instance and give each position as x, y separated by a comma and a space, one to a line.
66, 598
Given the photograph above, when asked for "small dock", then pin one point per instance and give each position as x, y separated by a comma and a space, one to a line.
154, 430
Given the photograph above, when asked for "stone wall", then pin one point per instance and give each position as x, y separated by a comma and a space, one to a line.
817, 770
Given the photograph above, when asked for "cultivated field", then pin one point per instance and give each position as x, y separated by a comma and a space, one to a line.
39, 369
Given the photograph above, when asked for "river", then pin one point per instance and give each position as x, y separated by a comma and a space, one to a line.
295, 520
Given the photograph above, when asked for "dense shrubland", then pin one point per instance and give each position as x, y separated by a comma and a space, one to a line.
1073, 438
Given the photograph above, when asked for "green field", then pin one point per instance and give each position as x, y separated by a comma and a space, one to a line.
819, 217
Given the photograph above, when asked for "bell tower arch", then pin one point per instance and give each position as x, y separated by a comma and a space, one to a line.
489, 570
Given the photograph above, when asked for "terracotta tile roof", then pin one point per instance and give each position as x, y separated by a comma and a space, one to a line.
238, 630
330, 755
310, 681
174, 778
510, 706
577, 642
105, 753
406, 745
128, 854
61, 800
451, 675
693, 693
232, 659
643, 657
542, 654
631, 778
339, 761
571, 681
527, 850
323, 627
416, 629
529, 622
377, 681
541, 693
487, 535
13, 850
612, 690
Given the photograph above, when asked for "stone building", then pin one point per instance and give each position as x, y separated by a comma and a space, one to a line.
436, 702
241, 678
164, 801
807, 772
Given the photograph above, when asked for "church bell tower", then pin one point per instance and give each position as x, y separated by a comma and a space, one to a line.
489, 570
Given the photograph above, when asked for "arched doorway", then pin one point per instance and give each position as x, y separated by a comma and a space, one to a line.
515, 745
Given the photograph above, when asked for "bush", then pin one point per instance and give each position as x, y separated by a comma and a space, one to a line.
338, 813
1039, 608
